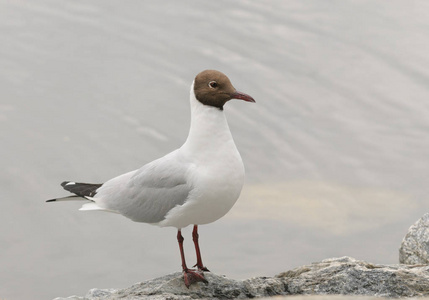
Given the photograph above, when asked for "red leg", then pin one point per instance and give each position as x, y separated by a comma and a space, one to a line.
180, 239
195, 236
190, 276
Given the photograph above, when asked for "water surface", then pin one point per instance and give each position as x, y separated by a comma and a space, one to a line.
335, 148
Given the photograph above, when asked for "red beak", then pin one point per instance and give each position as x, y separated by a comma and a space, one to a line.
242, 96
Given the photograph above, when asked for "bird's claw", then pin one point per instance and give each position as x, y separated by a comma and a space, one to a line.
193, 276
201, 268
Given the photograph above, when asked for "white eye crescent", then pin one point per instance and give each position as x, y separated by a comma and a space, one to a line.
213, 84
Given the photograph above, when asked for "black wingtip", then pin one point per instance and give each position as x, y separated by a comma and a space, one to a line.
63, 184
51, 200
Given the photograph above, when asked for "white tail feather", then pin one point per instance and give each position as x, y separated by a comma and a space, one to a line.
94, 206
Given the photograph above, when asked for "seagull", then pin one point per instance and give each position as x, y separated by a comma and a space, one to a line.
194, 185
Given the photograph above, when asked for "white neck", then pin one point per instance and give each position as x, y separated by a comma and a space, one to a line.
209, 129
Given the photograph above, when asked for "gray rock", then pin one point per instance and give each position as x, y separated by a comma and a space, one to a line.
349, 276
415, 245
328, 297
172, 287
346, 276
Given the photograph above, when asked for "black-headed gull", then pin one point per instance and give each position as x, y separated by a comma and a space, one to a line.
195, 184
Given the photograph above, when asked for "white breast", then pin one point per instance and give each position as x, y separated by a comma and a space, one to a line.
217, 172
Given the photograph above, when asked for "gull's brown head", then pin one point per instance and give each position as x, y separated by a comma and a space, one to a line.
214, 88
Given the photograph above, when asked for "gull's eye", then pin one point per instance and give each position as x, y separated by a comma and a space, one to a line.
213, 84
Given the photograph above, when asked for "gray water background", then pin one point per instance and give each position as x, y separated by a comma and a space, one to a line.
336, 147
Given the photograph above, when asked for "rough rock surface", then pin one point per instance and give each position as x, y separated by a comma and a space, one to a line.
348, 276
415, 245
172, 287
345, 276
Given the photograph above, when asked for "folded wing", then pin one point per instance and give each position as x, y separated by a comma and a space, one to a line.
148, 194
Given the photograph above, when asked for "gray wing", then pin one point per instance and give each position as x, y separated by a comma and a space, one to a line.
148, 194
